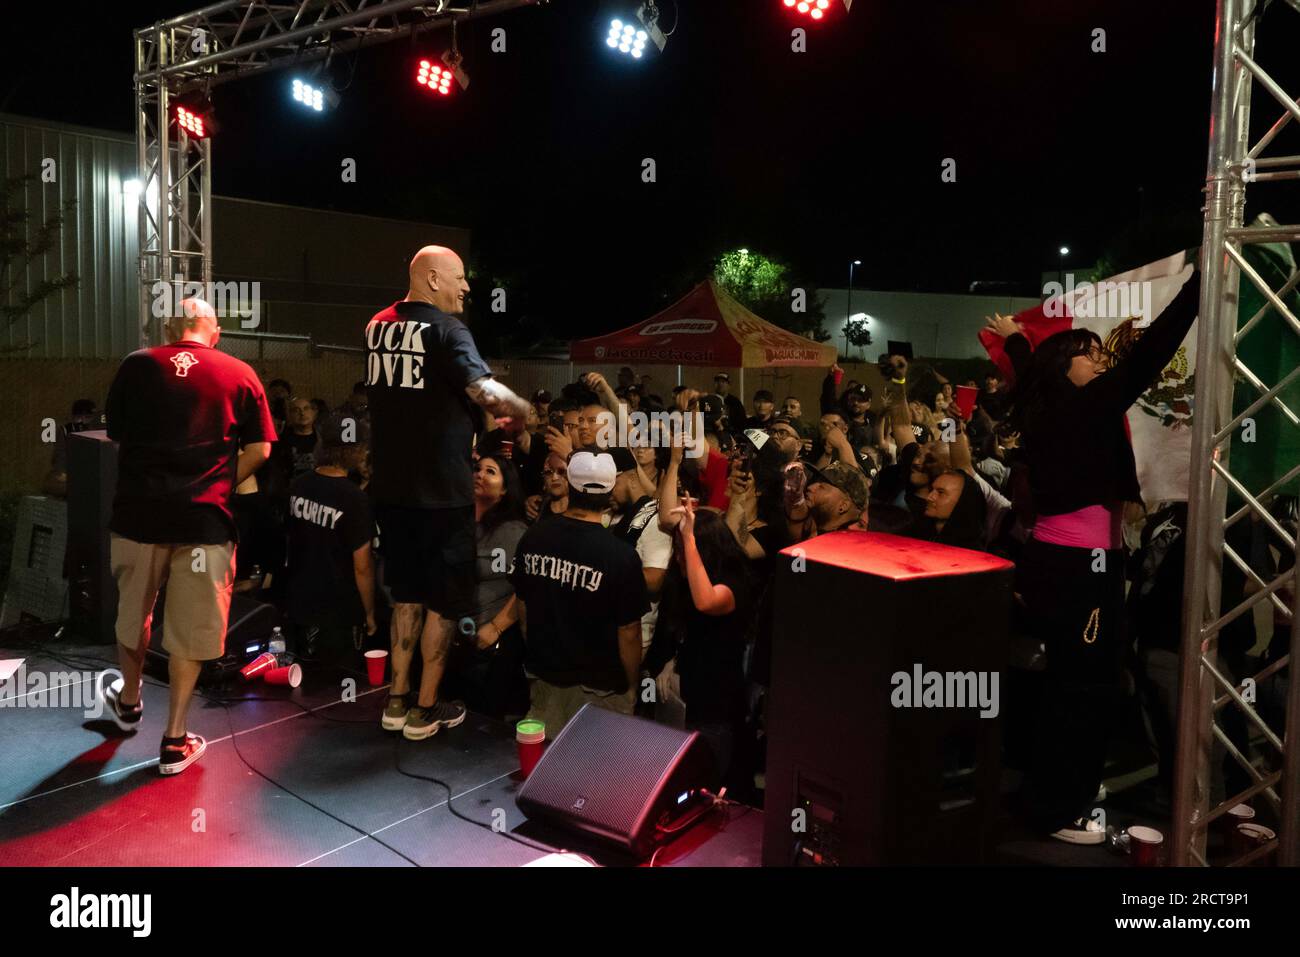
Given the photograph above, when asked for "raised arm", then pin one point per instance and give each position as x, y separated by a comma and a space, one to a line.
1120, 386
828, 403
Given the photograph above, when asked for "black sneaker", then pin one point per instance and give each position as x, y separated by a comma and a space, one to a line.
126, 717
424, 723
1083, 831
177, 754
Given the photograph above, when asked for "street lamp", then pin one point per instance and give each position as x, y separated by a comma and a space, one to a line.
1064, 251
848, 305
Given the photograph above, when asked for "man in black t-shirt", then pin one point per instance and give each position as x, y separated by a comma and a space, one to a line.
581, 595
425, 378
180, 414
331, 579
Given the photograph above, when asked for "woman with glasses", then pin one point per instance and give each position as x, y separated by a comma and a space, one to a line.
1069, 405
555, 489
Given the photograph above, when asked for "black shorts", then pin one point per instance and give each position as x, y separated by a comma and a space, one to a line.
429, 557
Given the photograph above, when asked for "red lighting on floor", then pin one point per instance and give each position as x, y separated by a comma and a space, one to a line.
435, 77
191, 122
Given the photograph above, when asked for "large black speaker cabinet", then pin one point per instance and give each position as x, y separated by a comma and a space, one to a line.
92, 482
866, 764
618, 778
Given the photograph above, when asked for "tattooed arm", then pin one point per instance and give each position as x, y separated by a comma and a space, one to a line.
498, 400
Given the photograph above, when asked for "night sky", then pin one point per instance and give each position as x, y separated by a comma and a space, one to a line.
815, 158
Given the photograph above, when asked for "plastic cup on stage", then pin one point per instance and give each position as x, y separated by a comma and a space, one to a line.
1250, 836
291, 676
1144, 845
259, 666
530, 736
376, 663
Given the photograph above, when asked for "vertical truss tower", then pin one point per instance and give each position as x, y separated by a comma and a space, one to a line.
1204, 688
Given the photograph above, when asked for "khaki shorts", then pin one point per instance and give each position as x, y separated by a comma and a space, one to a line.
555, 706
198, 594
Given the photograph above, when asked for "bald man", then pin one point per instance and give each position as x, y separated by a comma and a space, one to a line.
424, 376
181, 413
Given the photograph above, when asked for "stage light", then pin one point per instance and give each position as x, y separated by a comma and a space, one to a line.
192, 123
434, 77
131, 190
814, 9
314, 97
630, 40
438, 78
626, 38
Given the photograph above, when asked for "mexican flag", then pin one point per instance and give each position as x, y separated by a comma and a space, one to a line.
1118, 309
1159, 423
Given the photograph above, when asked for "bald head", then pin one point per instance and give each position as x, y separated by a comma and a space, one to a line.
196, 321
437, 276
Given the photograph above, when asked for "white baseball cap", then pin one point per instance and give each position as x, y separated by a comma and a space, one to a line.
591, 472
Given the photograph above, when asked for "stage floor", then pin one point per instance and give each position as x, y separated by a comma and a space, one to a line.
78, 793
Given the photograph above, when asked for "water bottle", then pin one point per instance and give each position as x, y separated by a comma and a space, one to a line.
276, 645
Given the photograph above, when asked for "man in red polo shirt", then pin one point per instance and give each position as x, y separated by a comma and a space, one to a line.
191, 424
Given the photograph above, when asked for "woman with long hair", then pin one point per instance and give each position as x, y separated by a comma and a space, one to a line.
1069, 405
555, 487
486, 668
703, 626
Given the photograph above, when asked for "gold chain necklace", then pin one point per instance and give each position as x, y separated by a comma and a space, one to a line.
1093, 626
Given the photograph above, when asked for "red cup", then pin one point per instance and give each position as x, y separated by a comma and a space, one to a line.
965, 400
1144, 844
507, 448
258, 667
839, 375
376, 662
291, 676
530, 736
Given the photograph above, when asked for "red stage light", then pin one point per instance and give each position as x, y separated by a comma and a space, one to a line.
813, 9
436, 78
191, 122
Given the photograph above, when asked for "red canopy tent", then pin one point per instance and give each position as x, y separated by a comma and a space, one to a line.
706, 327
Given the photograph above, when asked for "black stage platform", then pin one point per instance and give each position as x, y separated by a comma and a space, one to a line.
77, 792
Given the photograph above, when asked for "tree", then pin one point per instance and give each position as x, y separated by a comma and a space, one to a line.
19, 251
857, 332
765, 287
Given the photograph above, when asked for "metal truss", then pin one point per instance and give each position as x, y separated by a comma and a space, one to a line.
218, 44
1204, 688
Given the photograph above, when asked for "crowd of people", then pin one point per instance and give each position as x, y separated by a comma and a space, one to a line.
538, 565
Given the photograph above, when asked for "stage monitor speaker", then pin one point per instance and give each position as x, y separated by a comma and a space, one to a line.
92, 482
869, 761
618, 778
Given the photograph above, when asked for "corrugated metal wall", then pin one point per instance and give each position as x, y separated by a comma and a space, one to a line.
99, 240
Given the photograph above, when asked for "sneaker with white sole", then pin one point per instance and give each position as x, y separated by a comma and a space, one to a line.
126, 717
1083, 831
177, 754
424, 723
395, 713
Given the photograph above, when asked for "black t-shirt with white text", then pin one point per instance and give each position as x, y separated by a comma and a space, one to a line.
329, 519
419, 361
180, 414
579, 585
